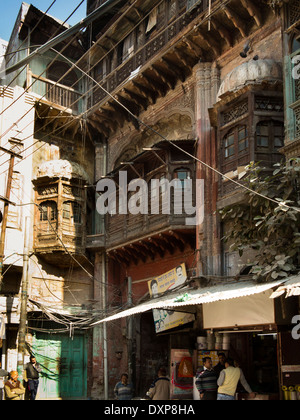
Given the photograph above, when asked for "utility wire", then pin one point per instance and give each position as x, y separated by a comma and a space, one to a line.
114, 47
92, 88
181, 149
36, 80
224, 176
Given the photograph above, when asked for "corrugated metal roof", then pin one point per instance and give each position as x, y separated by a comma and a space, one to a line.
188, 297
291, 287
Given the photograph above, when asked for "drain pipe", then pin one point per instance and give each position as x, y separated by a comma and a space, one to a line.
104, 290
105, 352
129, 332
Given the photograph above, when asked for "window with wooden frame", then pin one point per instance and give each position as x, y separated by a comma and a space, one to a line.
48, 211
126, 48
103, 68
229, 146
14, 212
72, 212
151, 21
270, 134
47, 217
181, 174
293, 88
157, 189
236, 141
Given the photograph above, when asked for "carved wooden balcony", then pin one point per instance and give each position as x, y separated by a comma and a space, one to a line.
137, 61
57, 95
60, 216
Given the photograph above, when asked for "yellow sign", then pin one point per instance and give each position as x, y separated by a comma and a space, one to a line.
165, 319
167, 281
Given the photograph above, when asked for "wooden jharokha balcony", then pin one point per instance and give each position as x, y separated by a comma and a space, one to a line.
151, 47
60, 220
164, 227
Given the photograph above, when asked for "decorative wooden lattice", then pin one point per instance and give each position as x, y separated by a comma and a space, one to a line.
297, 122
235, 112
269, 104
294, 12
297, 89
48, 190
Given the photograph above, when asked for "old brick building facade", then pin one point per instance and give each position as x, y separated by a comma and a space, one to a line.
165, 89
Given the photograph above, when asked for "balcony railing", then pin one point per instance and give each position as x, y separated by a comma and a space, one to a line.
63, 96
48, 241
125, 227
138, 57
95, 241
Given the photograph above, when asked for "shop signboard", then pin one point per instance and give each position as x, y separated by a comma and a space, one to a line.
167, 281
165, 320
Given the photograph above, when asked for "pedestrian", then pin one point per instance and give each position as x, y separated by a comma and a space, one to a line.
3, 373
123, 390
228, 381
31, 375
13, 387
160, 389
206, 381
221, 365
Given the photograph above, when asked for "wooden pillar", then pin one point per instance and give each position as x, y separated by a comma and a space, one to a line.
207, 237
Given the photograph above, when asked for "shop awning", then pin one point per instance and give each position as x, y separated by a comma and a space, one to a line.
188, 297
291, 287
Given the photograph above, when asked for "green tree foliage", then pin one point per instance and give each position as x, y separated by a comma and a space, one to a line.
272, 228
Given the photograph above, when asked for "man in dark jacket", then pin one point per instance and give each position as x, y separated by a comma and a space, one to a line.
31, 375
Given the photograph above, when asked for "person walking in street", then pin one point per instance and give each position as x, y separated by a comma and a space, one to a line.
206, 381
228, 381
160, 389
123, 390
13, 387
31, 375
3, 373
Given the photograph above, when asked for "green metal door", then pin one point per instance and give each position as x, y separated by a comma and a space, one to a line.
63, 361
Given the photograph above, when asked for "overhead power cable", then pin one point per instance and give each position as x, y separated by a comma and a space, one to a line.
100, 12
62, 128
175, 145
141, 122
36, 80
31, 31
63, 76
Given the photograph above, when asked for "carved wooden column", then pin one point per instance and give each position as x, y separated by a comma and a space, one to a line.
207, 84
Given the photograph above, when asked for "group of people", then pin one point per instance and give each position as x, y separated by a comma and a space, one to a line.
13, 388
159, 389
220, 382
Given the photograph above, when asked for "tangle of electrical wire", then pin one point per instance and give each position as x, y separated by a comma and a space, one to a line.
36, 80
224, 176
165, 139
90, 69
